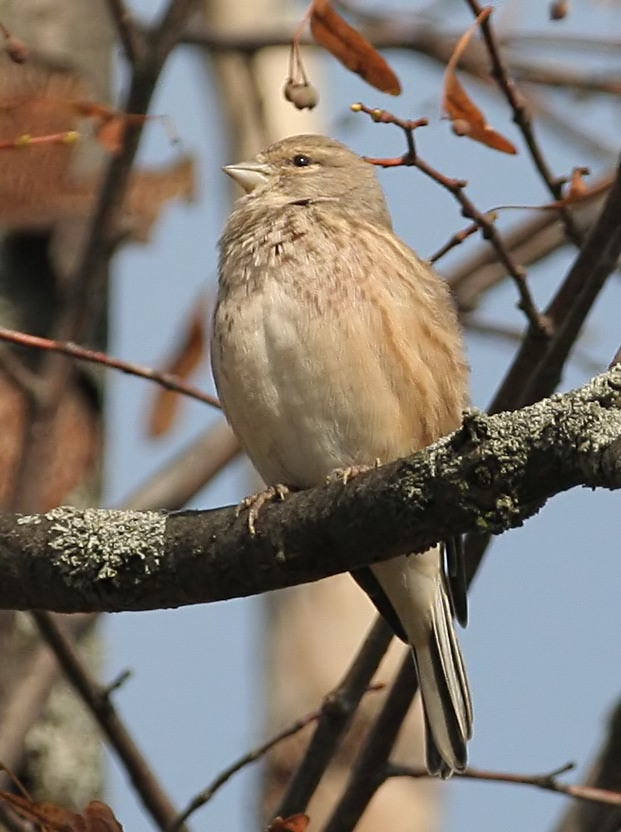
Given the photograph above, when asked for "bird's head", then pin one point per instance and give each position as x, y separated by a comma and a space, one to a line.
310, 169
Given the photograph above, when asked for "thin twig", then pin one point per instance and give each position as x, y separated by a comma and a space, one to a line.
131, 37
94, 697
337, 713
27, 692
255, 754
456, 240
252, 756
522, 119
537, 368
456, 187
530, 242
547, 782
367, 775
167, 380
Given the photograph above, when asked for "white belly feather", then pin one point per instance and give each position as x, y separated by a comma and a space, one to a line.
296, 401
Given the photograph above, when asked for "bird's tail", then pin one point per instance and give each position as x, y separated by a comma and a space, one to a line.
416, 588
447, 705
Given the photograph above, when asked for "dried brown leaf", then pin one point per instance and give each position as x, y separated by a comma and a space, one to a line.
293, 823
110, 124
466, 118
34, 183
111, 132
97, 817
38, 188
100, 818
577, 185
182, 363
578, 189
16, 49
351, 48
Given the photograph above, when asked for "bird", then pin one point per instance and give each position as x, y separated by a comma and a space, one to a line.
335, 346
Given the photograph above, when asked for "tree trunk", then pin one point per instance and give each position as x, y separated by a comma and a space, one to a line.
47, 737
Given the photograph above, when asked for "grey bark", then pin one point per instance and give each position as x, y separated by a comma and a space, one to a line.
490, 475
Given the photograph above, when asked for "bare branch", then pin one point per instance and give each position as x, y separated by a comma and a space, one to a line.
256, 754
602, 797
339, 708
368, 772
537, 368
521, 117
101, 707
536, 237
167, 380
456, 187
129, 34
490, 475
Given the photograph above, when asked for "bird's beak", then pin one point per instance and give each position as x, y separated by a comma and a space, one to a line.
249, 175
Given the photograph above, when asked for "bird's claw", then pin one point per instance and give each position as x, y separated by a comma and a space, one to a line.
344, 475
255, 502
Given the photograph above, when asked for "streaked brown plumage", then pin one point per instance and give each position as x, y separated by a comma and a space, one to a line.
334, 345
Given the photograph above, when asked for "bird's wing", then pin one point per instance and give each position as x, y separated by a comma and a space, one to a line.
457, 584
369, 583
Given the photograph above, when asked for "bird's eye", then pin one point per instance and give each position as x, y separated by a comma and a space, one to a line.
301, 160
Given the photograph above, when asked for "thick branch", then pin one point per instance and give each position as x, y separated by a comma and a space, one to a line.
490, 475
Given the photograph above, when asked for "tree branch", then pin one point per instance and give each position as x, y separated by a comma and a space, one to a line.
490, 475
339, 708
102, 708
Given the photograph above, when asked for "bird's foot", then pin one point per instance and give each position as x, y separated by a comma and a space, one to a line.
255, 502
344, 475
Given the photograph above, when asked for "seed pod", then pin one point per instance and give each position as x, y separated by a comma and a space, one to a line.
303, 96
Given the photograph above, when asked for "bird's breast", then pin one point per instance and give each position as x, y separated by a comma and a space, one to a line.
301, 385
319, 353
